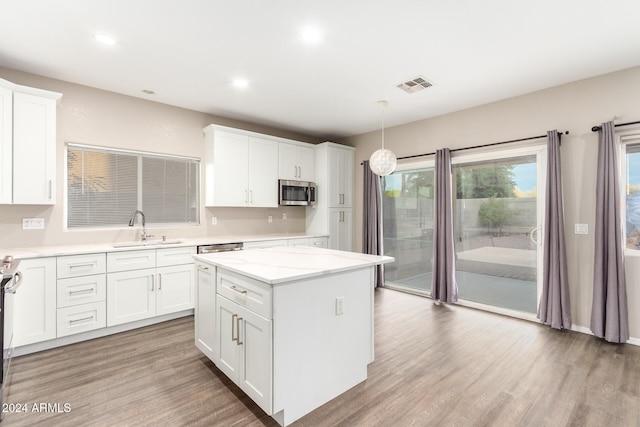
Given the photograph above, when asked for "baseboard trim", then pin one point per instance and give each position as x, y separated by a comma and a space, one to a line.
96, 333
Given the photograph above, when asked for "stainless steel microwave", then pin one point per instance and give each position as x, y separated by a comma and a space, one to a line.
297, 193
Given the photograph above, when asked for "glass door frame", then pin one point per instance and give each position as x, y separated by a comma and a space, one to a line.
428, 163
539, 149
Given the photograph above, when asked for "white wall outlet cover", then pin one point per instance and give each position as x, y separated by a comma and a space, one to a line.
581, 228
270, 218
339, 305
214, 220
33, 223
284, 215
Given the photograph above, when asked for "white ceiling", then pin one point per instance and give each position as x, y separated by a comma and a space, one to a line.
188, 51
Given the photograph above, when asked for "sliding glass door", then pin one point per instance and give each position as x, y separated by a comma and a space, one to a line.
497, 203
407, 205
497, 217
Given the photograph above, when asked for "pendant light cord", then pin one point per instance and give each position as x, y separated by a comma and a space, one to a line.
383, 105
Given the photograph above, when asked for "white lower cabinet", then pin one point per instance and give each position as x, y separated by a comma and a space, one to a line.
176, 288
244, 342
205, 309
81, 318
340, 229
81, 292
244, 339
35, 302
131, 296
139, 294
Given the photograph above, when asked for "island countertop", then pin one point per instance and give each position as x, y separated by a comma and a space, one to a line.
283, 264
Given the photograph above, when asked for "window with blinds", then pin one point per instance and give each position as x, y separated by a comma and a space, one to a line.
105, 186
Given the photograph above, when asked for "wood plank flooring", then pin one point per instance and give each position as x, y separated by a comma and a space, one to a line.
435, 366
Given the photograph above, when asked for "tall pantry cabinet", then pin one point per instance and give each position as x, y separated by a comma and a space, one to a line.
27, 145
333, 214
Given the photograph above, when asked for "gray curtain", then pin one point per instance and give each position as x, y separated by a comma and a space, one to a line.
444, 287
555, 306
609, 317
372, 218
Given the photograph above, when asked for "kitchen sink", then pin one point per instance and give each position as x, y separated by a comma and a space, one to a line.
147, 243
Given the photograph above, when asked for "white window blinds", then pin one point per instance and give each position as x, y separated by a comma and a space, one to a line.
105, 186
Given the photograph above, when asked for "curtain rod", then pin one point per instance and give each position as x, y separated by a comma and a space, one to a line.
597, 128
482, 146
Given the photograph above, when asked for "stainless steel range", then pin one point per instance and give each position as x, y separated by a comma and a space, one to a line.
10, 281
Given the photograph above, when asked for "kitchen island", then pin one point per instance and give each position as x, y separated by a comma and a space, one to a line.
291, 326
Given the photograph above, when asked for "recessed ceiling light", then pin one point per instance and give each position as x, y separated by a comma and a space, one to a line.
240, 83
311, 35
104, 39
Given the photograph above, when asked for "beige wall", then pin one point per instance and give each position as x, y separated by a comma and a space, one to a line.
575, 107
96, 117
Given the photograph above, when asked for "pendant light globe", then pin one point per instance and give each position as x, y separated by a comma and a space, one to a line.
382, 162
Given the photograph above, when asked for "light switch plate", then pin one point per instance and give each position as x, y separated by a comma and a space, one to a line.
581, 228
33, 223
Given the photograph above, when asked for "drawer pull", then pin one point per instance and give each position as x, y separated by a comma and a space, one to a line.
233, 288
202, 267
84, 319
83, 291
83, 265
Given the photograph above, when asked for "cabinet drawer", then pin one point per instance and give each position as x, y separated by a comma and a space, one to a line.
318, 242
249, 293
175, 256
304, 241
131, 260
81, 265
264, 244
82, 290
81, 318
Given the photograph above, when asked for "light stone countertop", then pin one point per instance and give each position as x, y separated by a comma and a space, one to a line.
88, 248
283, 264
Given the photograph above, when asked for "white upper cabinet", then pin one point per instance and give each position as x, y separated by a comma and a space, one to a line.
241, 169
6, 145
296, 162
333, 214
340, 177
27, 145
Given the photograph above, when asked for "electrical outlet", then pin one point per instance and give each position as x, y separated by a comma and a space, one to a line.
214, 220
270, 218
284, 215
581, 228
339, 305
33, 223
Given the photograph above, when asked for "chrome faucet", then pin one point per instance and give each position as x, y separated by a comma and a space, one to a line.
143, 236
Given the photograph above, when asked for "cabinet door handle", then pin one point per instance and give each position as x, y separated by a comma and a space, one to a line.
83, 291
50, 188
295, 171
250, 196
233, 288
72, 321
246, 196
238, 320
202, 267
234, 322
153, 282
159, 281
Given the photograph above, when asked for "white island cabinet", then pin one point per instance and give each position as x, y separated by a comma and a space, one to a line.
293, 324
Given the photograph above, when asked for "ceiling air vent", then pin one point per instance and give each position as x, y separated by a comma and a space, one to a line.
415, 85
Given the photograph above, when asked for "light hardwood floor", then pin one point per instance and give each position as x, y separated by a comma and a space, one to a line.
435, 366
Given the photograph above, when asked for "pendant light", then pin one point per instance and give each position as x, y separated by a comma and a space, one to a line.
382, 162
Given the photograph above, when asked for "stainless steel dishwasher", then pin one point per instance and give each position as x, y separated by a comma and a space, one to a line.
219, 247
